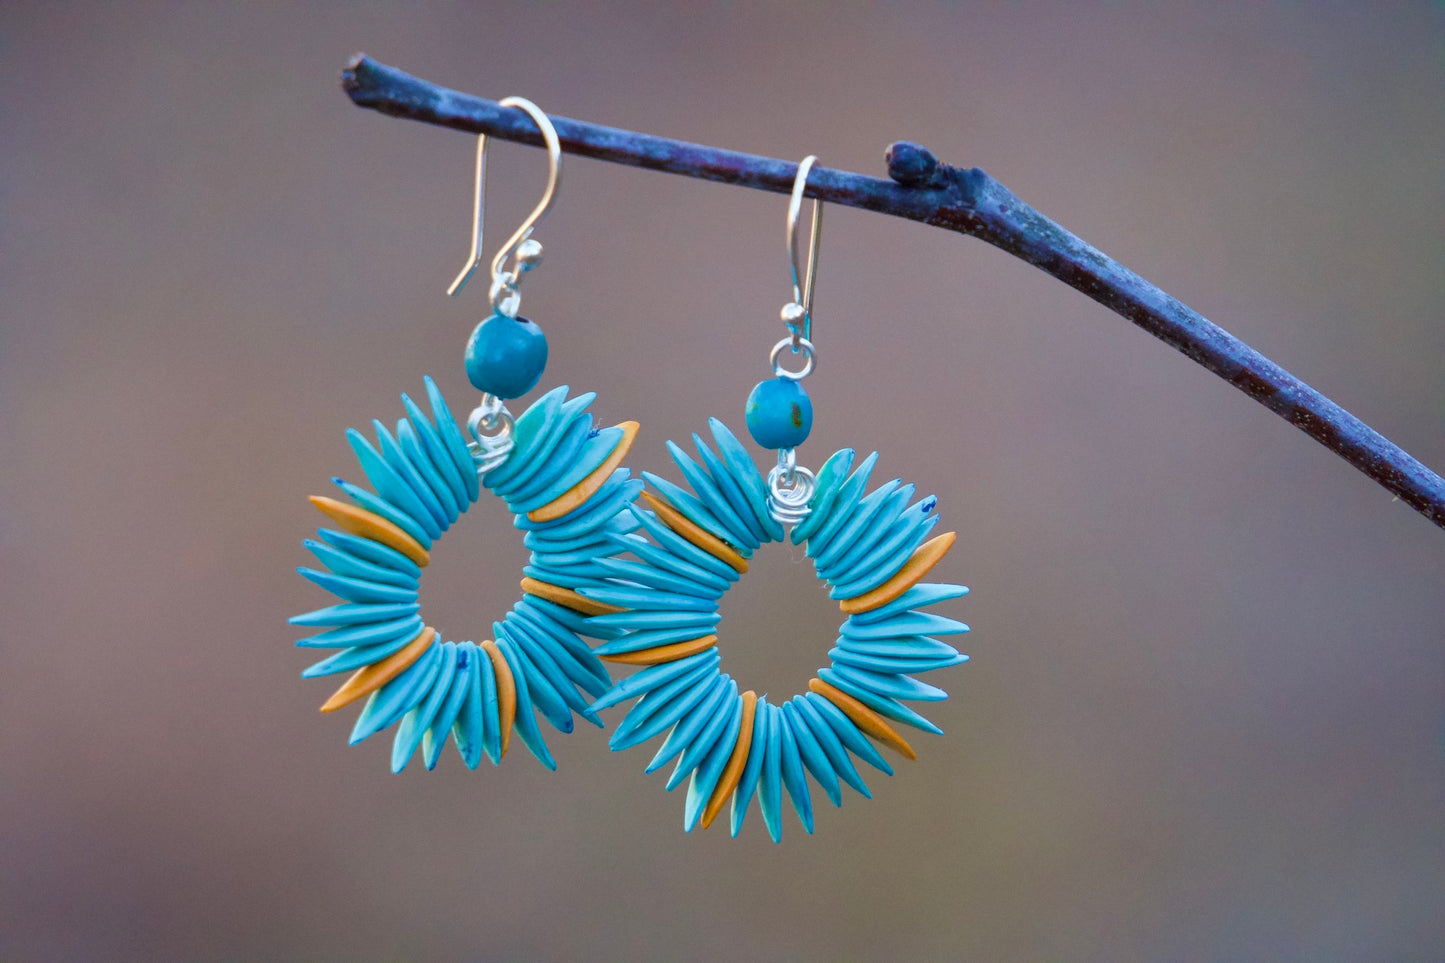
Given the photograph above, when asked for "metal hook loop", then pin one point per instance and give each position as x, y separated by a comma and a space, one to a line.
802, 282
554, 177
799, 345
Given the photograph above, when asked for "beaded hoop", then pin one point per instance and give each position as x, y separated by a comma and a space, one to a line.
872, 552
563, 483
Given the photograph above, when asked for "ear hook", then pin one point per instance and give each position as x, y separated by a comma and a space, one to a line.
479, 194
504, 294
800, 309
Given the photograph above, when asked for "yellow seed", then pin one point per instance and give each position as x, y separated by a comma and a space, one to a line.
915, 568
663, 653
359, 521
573, 497
733, 771
369, 678
506, 692
863, 717
568, 598
694, 533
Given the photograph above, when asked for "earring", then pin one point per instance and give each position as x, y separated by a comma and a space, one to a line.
870, 549
563, 481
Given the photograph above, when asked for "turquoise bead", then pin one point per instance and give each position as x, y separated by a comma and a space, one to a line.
505, 356
779, 414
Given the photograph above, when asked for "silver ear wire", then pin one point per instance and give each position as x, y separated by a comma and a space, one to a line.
798, 313
490, 423
527, 253
791, 486
479, 195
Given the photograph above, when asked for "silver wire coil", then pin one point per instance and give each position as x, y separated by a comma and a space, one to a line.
490, 425
790, 489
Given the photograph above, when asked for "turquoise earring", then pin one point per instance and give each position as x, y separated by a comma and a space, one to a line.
563, 481
871, 548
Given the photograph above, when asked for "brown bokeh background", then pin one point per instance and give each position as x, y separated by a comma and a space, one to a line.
1204, 714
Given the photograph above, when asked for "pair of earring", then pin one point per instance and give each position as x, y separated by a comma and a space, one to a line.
640, 571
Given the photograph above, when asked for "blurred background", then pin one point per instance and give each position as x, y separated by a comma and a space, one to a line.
1203, 718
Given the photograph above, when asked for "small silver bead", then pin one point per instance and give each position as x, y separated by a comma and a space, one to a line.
793, 314
529, 254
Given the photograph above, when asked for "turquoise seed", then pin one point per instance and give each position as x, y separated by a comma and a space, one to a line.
505, 356
779, 414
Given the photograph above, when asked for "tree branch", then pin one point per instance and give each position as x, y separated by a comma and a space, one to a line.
968, 201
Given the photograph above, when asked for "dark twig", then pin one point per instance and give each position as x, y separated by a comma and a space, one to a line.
968, 201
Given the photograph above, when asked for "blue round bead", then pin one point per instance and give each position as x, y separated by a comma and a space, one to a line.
505, 356
779, 413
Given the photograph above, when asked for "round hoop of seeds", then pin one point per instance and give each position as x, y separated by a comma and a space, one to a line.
873, 550
563, 482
